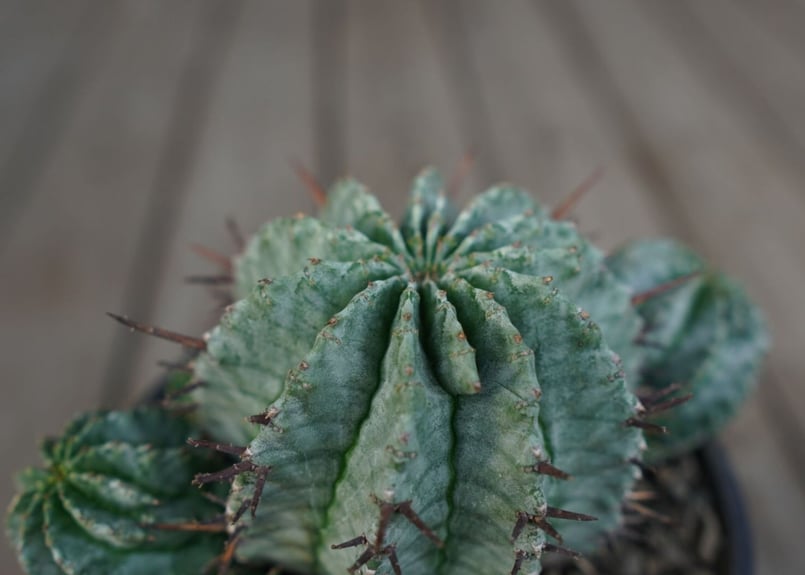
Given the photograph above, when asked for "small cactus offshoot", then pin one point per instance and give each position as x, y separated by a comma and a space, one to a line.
113, 497
459, 394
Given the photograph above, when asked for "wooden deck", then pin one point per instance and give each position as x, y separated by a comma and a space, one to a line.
131, 129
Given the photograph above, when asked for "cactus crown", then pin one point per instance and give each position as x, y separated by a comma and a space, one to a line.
450, 395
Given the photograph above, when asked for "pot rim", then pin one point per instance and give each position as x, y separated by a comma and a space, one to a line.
739, 555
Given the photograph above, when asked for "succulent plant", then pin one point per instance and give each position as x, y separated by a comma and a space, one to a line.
705, 337
112, 480
457, 394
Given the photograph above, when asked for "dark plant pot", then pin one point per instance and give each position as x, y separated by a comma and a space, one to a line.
738, 556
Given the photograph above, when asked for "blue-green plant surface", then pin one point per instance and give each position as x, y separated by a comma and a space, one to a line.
457, 394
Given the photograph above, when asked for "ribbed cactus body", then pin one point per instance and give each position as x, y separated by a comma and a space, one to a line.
441, 364
456, 395
704, 335
109, 480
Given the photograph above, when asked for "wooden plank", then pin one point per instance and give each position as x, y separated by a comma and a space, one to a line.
259, 117
715, 168
30, 45
751, 67
172, 179
449, 36
66, 262
48, 51
329, 64
776, 229
783, 18
399, 111
547, 128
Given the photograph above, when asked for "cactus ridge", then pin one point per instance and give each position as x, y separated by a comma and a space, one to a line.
110, 480
445, 367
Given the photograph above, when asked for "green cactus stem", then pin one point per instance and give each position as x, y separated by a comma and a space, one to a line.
702, 335
425, 392
451, 396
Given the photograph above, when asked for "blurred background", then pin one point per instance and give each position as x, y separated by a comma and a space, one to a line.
130, 130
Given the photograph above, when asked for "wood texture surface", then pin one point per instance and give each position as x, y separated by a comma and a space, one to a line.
131, 129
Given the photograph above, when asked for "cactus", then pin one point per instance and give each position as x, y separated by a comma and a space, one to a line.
111, 480
456, 394
705, 337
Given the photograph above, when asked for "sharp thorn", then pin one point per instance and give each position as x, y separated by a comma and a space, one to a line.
645, 425
648, 512
545, 468
460, 173
227, 448
390, 551
354, 542
643, 297
219, 259
214, 526
234, 231
557, 513
519, 557
315, 189
244, 505
377, 547
386, 511
224, 474
522, 520
362, 560
185, 340
561, 211
225, 561
550, 548
651, 397
546, 526
641, 495
264, 418
406, 511
259, 485
666, 405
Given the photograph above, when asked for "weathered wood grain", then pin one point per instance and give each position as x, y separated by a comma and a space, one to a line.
67, 260
716, 167
190, 107
48, 52
549, 130
259, 118
751, 70
398, 104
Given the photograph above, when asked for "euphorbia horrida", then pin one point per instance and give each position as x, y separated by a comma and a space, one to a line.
458, 394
